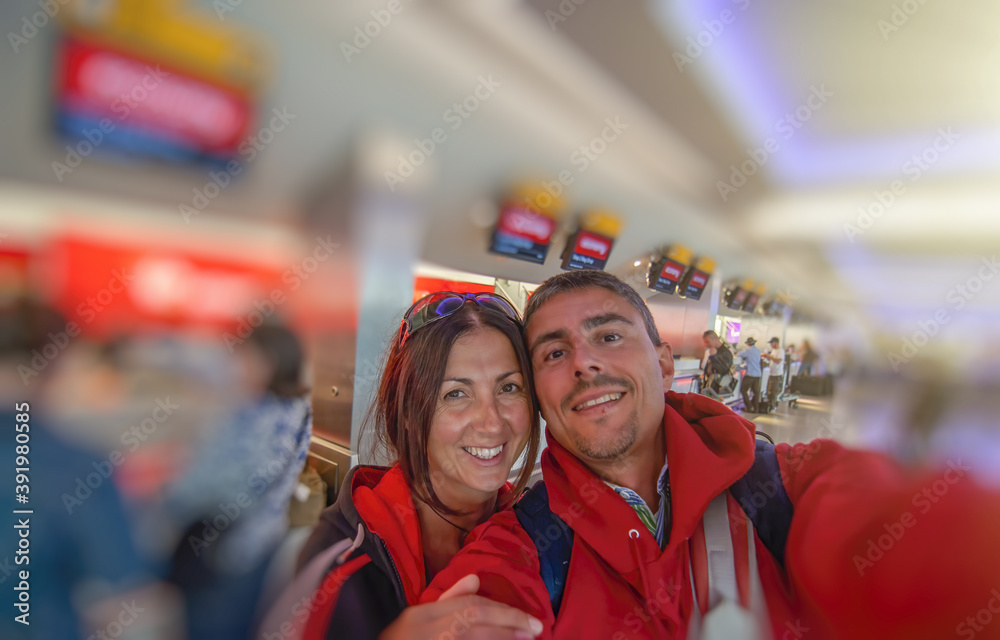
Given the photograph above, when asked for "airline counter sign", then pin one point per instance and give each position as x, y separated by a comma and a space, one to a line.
523, 233
695, 284
588, 250
116, 100
666, 274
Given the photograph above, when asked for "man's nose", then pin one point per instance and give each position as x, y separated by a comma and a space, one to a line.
585, 362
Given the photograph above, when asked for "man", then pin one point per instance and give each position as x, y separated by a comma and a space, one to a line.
751, 377
720, 361
631, 469
776, 373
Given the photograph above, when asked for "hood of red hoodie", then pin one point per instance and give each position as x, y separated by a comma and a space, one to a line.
709, 447
383, 502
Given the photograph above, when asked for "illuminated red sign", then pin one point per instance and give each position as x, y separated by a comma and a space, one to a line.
523, 233
129, 99
587, 250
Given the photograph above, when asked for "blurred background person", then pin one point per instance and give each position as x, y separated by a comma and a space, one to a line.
776, 372
232, 500
809, 359
717, 376
750, 384
82, 569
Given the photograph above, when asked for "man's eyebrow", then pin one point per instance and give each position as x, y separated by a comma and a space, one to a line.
587, 324
551, 336
597, 321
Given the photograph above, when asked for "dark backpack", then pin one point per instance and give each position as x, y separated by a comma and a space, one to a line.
760, 492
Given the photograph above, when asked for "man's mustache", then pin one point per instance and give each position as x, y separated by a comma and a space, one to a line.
601, 380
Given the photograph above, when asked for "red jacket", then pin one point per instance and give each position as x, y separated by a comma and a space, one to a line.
360, 595
932, 575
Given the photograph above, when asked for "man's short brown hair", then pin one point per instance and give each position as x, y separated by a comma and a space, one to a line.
586, 279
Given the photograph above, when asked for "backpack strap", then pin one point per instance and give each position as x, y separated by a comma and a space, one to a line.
552, 537
762, 495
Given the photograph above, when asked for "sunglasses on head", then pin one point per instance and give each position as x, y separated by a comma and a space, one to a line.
442, 304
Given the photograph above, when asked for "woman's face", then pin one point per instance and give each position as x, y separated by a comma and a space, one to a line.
481, 422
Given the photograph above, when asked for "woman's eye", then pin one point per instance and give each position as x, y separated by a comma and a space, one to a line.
453, 394
511, 387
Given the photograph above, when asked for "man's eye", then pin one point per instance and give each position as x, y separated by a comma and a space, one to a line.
611, 337
555, 354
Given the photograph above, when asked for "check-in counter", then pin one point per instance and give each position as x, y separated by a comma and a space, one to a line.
686, 374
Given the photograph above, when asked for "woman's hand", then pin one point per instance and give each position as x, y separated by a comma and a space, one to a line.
460, 612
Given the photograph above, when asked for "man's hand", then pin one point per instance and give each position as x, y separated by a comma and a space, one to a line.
459, 611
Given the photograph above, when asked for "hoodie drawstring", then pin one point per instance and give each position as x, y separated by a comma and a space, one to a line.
358, 539
649, 594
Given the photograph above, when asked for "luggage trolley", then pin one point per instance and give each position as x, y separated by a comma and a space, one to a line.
730, 392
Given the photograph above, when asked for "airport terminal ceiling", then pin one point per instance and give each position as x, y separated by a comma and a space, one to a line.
695, 115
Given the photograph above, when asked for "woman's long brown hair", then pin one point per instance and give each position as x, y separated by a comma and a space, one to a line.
403, 408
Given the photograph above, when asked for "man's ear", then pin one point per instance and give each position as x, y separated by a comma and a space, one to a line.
666, 358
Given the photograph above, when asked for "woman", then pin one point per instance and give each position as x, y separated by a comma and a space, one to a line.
239, 486
454, 409
809, 358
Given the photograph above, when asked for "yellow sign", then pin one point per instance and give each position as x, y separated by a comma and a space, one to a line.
169, 31
679, 253
602, 222
705, 265
539, 197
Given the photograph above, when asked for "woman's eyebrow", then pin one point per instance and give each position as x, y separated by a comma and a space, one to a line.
508, 374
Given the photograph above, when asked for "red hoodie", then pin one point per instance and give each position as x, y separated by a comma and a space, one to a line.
618, 587
361, 594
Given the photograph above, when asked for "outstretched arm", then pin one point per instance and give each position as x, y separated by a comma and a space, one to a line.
880, 552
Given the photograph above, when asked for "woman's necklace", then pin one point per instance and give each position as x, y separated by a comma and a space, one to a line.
465, 531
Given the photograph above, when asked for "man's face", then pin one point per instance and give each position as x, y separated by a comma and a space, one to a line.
599, 379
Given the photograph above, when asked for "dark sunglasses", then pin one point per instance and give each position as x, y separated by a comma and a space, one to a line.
442, 304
